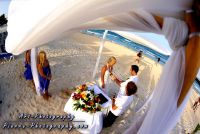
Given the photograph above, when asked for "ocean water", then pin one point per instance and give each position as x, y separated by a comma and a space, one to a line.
111, 36
152, 54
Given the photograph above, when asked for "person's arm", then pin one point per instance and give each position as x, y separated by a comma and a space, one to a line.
26, 58
40, 70
192, 62
111, 69
118, 81
103, 70
49, 68
114, 78
114, 107
159, 20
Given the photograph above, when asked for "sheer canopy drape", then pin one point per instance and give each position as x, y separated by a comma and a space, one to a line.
34, 22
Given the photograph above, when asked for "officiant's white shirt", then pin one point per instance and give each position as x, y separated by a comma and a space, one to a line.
122, 102
123, 84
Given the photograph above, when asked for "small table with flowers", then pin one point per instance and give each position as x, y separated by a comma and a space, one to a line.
85, 105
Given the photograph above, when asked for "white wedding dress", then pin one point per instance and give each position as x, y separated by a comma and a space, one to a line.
109, 88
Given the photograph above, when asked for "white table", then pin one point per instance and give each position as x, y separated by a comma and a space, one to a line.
93, 120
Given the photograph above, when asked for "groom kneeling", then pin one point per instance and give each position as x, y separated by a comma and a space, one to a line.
120, 103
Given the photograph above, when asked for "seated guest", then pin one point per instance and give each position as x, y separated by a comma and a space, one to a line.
44, 74
28, 72
120, 104
105, 82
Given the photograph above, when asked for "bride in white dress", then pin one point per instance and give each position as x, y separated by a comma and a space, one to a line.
105, 81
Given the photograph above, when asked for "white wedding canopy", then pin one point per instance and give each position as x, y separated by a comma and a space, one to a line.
32, 23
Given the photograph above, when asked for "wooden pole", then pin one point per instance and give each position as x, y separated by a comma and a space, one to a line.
192, 64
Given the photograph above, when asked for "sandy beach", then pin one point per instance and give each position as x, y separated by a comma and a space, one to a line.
72, 61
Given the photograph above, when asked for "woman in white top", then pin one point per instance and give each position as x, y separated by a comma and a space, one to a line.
105, 81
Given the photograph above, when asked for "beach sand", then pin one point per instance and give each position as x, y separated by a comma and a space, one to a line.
72, 61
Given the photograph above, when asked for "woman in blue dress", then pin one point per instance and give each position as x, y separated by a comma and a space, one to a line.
28, 72
44, 74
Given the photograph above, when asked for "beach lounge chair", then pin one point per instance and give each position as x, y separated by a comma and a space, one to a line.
6, 57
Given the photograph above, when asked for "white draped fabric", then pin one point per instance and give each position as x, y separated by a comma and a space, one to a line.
33, 22
167, 91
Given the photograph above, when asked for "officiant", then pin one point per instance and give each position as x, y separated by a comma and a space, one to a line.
120, 104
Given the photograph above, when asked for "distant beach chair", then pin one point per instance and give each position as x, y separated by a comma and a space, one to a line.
6, 57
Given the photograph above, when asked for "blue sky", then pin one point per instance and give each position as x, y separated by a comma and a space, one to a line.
4, 4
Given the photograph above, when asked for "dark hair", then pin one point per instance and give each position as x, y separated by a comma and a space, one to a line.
158, 59
140, 54
135, 68
131, 88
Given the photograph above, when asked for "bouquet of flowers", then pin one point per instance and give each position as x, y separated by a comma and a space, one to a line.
86, 100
